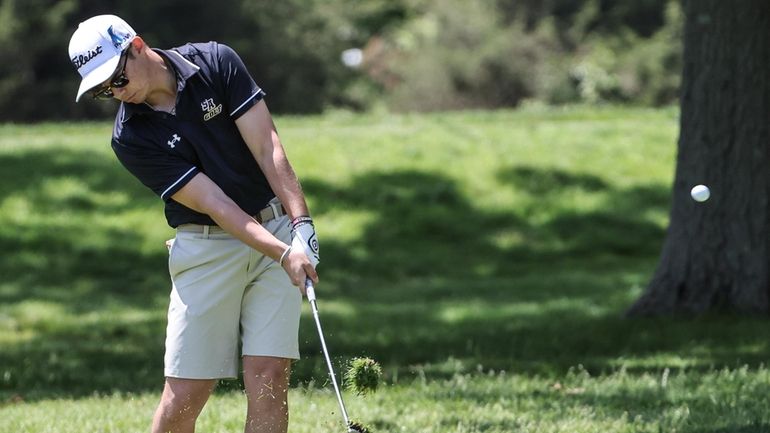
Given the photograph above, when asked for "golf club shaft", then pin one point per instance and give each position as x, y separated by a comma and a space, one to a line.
310, 290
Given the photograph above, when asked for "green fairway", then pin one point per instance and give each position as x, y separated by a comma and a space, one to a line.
485, 259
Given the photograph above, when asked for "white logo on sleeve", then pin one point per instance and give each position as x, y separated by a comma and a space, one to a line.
210, 108
174, 140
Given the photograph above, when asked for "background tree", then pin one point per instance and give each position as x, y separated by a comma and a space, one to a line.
439, 55
716, 254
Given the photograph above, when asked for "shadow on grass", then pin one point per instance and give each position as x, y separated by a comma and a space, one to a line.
433, 284
689, 412
428, 280
63, 273
749, 428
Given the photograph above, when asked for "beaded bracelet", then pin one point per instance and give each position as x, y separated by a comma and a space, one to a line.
303, 218
300, 221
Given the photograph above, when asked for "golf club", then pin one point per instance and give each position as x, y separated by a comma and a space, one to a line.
352, 427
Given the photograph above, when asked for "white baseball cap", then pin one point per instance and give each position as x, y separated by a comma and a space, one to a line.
95, 49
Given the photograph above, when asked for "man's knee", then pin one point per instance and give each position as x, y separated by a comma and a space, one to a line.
266, 376
266, 367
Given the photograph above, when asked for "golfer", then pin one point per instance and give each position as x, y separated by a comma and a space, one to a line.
194, 128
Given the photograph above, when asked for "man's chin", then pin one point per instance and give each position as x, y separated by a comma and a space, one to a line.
131, 98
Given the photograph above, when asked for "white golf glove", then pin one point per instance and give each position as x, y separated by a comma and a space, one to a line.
304, 237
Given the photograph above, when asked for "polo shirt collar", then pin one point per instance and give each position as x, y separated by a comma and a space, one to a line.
183, 68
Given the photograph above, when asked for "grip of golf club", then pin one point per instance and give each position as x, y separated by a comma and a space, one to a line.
310, 290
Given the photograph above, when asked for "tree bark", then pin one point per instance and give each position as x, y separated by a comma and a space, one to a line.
715, 255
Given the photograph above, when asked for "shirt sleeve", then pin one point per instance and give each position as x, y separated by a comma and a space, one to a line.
164, 173
241, 92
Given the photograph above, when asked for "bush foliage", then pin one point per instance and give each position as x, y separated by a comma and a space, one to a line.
458, 54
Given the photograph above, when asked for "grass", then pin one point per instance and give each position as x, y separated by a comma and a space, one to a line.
719, 401
483, 258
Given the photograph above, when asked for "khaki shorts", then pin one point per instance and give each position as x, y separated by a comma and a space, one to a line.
225, 293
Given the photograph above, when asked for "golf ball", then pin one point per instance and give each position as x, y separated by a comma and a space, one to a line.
700, 193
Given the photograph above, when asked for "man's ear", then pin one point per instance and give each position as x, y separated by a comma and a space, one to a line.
137, 46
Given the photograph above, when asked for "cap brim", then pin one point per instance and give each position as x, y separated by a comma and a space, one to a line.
99, 75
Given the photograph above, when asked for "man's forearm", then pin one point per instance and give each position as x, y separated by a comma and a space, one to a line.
258, 131
287, 186
203, 195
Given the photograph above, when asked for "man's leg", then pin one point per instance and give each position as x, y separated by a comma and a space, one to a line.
267, 383
180, 404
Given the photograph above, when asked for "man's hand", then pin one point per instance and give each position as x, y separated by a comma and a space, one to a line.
298, 267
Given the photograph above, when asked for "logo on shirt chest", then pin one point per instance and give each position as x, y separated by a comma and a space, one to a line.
174, 140
210, 108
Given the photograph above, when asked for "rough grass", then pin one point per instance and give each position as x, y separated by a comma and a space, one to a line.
454, 247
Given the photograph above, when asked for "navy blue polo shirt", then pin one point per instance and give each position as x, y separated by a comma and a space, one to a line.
164, 151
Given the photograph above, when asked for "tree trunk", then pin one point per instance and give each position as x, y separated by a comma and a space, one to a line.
716, 253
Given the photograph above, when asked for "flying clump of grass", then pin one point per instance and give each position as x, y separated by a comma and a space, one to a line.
363, 376
358, 427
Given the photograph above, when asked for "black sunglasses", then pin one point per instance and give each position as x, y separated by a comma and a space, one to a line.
117, 81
